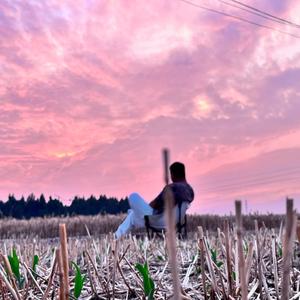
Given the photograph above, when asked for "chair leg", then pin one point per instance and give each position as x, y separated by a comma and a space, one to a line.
148, 232
185, 227
152, 235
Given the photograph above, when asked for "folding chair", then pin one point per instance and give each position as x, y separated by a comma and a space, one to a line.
155, 224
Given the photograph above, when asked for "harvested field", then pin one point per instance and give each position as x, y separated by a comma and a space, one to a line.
104, 224
209, 266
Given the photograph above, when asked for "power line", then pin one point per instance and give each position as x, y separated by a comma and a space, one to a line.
238, 18
260, 176
256, 12
271, 179
266, 13
249, 185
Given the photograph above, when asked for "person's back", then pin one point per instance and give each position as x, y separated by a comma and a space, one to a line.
182, 192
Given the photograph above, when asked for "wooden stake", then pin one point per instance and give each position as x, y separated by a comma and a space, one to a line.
166, 165
115, 257
248, 262
298, 229
169, 215
201, 246
290, 226
228, 257
65, 259
259, 264
238, 213
60, 275
275, 267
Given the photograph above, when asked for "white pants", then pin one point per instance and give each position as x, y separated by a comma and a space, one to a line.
135, 218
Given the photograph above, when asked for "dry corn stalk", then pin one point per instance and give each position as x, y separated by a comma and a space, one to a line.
228, 257
202, 253
64, 257
298, 229
290, 227
171, 231
238, 212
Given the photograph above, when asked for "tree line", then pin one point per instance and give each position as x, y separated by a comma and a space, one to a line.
33, 206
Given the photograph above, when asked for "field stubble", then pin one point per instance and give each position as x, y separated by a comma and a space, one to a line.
208, 261
105, 224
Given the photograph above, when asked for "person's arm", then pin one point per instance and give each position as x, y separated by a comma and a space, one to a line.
156, 203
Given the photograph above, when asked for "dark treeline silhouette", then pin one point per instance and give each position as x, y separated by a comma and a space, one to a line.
38, 207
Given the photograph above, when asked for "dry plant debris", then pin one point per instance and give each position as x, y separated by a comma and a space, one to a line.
208, 264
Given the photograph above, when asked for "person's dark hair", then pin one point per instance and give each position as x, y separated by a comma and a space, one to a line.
177, 169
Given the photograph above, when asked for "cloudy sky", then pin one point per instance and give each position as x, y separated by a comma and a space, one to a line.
91, 91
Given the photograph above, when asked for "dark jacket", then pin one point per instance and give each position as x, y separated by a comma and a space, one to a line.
182, 192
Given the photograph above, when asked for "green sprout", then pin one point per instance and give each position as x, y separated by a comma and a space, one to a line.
246, 247
149, 287
79, 281
159, 257
15, 267
215, 259
234, 275
35, 263
279, 251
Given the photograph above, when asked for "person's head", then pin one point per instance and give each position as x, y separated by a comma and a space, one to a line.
177, 171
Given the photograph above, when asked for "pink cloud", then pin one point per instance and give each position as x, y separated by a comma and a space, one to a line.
92, 91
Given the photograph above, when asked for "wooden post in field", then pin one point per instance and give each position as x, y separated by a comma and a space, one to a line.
166, 165
298, 229
228, 257
171, 230
238, 214
60, 275
64, 257
259, 266
201, 246
275, 264
289, 235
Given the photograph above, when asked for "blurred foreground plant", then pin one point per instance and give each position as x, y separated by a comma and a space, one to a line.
34, 264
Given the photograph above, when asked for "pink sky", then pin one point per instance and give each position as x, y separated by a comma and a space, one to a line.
91, 91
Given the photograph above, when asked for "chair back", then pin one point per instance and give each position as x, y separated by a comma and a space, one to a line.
158, 221
181, 211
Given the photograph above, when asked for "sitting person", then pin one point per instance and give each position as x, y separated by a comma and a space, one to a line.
182, 191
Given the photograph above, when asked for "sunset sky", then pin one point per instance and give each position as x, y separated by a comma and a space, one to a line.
91, 91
